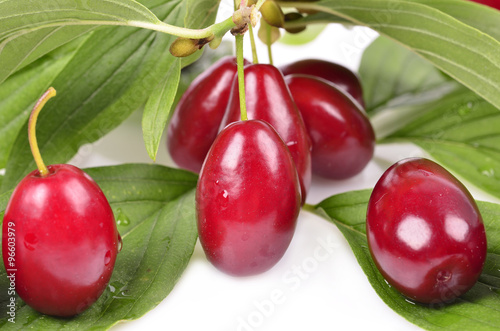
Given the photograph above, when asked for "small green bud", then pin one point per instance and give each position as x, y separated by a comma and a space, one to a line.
182, 47
273, 14
215, 42
268, 34
290, 17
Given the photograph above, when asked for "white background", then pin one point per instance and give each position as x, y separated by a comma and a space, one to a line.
312, 287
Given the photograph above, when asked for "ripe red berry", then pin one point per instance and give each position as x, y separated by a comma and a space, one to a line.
342, 77
197, 117
425, 232
65, 240
342, 137
269, 99
59, 236
247, 199
492, 3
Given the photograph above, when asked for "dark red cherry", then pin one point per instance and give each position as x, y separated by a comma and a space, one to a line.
491, 3
268, 99
196, 119
247, 199
60, 240
342, 77
342, 137
425, 232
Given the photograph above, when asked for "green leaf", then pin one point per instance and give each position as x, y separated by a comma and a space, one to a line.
316, 18
20, 91
475, 310
157, 109
200, 13
154, 209
416, 104
30, 29
463, 52
469, 13
109, 78
4, 199
461, 131
389, 71
164, 96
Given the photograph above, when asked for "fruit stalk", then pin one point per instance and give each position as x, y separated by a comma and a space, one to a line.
51, 92
241, 77
269, 51
255, 58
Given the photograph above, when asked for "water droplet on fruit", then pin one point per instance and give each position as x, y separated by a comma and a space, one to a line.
121, 218
425, 172
443, 276
30, 241
223, 199
120, 243
245, 237
107, 258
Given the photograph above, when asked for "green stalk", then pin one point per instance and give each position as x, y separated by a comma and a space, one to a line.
269, 51
241, 77
254, 48
42, 169
309, 208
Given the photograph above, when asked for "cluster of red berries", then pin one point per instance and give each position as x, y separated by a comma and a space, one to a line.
424, 230
305, 117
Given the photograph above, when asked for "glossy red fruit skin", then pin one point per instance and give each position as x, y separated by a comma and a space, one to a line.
425, 232
247, 199
342, 77
268, 98
492, 3
196, 119
66, 240
342, 137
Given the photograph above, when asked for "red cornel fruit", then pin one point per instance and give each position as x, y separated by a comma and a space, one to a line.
342, 137
342, 77
197, 117
59, 238
425, 232
269, 99
492, 3
247, 199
